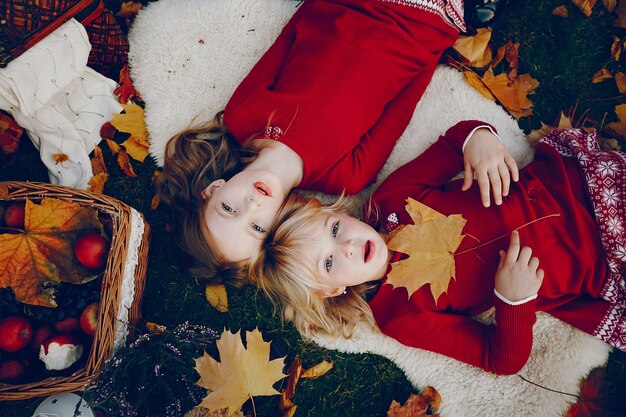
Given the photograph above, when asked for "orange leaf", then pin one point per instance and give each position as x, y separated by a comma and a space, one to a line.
129, 8
317, 370
619, 128
96, 183
124, 163
620, 81
34, 260
616, 48
475, 48
430, 243
602, 75
113, 146
417, 405
620, 10
585, 6
294, 371
560, 11
60, 158
512, 95
564, 123
125, 89
475, 81
97, 161
610, 5
154, 203
10, 134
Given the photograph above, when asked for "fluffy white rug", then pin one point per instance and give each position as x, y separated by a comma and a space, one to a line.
187, 57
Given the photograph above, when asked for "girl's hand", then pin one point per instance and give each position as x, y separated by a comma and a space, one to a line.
518, 275
493, 164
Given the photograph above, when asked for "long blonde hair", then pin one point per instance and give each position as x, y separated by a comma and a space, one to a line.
290, 280
193, 159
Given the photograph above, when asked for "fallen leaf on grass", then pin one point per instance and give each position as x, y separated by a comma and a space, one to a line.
34, 260
97, 182
132, 121
602, 75
512, 95
620, 10
430, 243
242, 373
124, 163
475, 48
475, 81
610, 5
417, 405
620, 82
97, 161
585, 6
294, 372
616, 48
317, 370
125, 89
560, 11
216, 296
564, 123
113, 146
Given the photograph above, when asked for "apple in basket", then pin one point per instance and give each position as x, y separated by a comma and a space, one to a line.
11, 371
91, 250
89, 318
15, 333
14, 215
60, 351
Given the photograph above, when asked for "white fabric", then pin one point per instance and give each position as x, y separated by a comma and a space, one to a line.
127, 288
50, 91
187, 57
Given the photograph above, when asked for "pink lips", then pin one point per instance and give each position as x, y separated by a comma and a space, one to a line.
263, 189
368, 251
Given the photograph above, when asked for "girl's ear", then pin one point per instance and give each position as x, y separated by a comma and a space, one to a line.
208, 191
333, 293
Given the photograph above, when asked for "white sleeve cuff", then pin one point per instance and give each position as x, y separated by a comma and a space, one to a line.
514, 303
474, 130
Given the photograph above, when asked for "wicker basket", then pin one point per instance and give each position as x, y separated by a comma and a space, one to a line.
103, 342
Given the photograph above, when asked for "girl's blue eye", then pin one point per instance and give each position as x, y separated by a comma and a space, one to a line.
258, 228
227, 208
328, 263
335, 229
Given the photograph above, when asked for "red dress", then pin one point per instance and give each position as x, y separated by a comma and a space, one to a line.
341, 82
568, 245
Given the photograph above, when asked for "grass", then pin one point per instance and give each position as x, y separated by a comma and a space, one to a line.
562, 53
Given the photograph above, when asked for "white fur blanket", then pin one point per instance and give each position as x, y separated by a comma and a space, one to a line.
187, 57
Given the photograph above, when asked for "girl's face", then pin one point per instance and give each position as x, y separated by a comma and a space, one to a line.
241, 210
346, 251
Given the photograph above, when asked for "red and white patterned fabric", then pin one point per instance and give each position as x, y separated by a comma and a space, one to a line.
605, 173
450, 10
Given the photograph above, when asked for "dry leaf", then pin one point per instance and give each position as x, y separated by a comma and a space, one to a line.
618, 128
616, 48
125, 89
602, 75
475, 81
129, 8
620, 10
610, 5
132, 121
10, 134
317, 370
475, 48
430, 243
203, 412
564, 123
33, 261
285, 403
97, 161
620, 81
96, 183
417, 405
59, 158
113, 146
294, 371
585, 6
512, 95
155, 328
124, 163
432, 397
154, 203
241, 373
560, 11
290, 412
136, 150
216, 296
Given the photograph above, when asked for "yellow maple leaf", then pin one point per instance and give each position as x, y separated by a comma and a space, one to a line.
216, 296
96, 183
619, 128
475, 48
475, 81
430, 243
132, 121
565, 122
242, 373
512, 94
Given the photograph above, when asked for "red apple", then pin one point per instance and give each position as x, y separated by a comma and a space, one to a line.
11, 371
89, 319
91, 250
15, 333
39, 335
14, 215
68, 324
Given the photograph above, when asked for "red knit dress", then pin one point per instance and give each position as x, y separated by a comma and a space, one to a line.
568, 246
341, 82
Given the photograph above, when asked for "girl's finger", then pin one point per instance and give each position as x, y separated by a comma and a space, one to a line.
502, 258
483, 184
469, 177
540, 274
496, 185
514, 247
524, 255
533, 264
510, 162
506, 179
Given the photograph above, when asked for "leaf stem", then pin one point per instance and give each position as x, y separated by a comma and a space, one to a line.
253, 406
